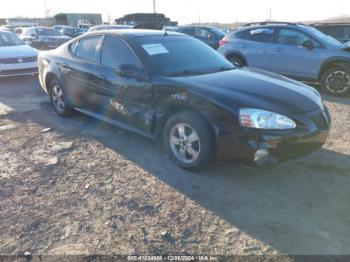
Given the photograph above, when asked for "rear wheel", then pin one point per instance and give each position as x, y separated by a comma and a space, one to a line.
189, 140
336, 80
59, 99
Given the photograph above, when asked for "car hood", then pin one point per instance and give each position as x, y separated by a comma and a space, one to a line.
17, 51
248, 87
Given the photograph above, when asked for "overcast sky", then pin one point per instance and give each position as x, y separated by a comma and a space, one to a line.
187, 11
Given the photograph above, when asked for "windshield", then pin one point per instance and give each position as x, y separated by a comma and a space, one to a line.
9, 39
48, 32
326, 39
180, 55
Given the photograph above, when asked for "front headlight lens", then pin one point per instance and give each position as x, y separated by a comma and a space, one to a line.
256, 118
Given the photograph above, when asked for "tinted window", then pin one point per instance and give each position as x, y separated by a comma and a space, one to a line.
187, 30
293, 37
180, 55
203, 33
86, 48
258, 35
116, 52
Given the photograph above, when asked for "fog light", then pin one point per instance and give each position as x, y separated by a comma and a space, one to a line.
261, 157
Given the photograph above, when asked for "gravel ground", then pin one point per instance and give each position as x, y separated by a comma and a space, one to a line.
79, 186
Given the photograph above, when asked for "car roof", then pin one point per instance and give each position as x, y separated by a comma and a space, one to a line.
272, 24
131, 33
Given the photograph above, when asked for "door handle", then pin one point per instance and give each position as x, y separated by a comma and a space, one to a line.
277, 49
101, 77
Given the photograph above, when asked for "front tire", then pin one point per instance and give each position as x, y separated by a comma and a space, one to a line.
336, 80
189, 140
59, 99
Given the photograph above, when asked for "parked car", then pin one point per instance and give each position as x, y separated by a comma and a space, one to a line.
209, 35
71, 31
340, 31
149, 25
108, 27
16, 58
175, 88
299, 51
43, 38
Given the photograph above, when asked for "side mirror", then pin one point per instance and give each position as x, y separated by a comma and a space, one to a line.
308, 44
131, 71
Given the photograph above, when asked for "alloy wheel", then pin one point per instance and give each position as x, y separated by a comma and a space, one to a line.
58, 98
185, 143
338, 82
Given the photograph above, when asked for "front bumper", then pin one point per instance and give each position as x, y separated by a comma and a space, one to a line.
18, 69
268, 148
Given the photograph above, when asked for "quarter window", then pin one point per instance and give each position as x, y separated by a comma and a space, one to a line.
87, 47
115, 52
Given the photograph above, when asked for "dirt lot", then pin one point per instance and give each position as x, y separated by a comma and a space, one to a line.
85, 187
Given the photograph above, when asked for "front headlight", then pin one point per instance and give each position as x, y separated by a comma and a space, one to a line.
256, 118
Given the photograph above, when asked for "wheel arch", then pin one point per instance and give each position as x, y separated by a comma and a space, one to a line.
173, 108
329, 63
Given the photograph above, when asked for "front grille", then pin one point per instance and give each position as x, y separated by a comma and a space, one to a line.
15, 60
320, 121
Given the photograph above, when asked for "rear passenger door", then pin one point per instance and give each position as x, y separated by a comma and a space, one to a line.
291, 58
80, 73
256, 46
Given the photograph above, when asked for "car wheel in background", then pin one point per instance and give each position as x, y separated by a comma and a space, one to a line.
236, 60
58, 98
189, 140
336, 80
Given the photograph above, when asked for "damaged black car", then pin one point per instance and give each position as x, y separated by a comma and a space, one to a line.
174, 88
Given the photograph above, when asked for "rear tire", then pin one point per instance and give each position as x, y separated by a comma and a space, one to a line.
189, 140
336, 80
59, 99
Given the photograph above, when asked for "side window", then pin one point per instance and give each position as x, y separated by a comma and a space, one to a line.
116, 52
187, 31
86, 48
203, 33
293, 37
264, 35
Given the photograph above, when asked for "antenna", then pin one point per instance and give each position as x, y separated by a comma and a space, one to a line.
154, 6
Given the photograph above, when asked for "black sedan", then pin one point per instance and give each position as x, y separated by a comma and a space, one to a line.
174, 88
